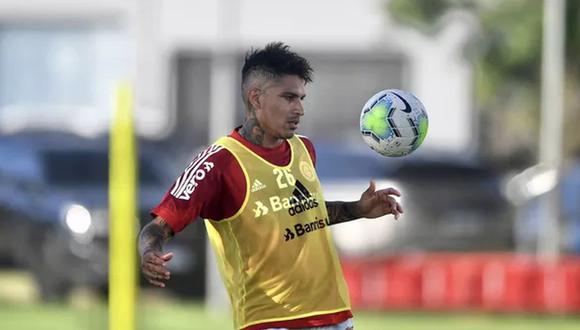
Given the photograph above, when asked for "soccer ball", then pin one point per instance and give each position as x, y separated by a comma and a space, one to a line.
393, 122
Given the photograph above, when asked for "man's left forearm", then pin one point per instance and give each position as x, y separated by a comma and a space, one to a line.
339, 212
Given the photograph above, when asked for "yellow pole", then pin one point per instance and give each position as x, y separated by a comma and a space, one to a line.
122, 214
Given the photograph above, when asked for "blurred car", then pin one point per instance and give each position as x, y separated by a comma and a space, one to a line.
54, 212
450, 202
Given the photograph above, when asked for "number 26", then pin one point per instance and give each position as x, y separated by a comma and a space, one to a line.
284, 178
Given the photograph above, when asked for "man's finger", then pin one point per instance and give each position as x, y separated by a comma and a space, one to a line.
166, 257
160, 268
371, 189
153, 275
390, 206
390, 191
156, 283
157, 271
393, 207
153, 259
385, 196
400, 208
393, 204
150, 274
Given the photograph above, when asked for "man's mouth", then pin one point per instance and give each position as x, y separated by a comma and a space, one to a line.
293, 124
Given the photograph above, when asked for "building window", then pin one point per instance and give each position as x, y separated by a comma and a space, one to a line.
59, 76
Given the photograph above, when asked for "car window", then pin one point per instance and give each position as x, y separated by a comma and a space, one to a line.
88, 168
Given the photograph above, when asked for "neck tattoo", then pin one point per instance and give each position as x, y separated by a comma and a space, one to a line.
252, 131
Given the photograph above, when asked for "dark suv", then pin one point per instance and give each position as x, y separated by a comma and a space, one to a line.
451, 202
54, 211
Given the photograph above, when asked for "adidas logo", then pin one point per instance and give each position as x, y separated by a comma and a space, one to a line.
257, 185
302, 200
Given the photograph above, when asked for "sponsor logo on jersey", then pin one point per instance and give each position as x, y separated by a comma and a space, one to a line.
301, 229
260, 209
300, 201
257, 185
289, 235
195, 172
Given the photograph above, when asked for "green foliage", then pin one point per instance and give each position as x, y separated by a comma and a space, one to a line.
508, 48
507, 58
423, 14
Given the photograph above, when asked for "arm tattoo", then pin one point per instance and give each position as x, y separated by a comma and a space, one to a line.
154, 235
251, 129
339, 212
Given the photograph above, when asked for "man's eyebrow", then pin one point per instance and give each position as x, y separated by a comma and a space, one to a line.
294, 95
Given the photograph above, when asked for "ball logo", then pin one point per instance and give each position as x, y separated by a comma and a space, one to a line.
307, 171
407, 106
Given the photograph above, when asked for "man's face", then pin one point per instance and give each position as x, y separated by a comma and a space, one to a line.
280, 107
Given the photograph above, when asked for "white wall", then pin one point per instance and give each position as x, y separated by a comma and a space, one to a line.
157, 29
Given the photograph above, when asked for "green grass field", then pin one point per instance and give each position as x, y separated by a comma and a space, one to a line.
190, 316
19, 310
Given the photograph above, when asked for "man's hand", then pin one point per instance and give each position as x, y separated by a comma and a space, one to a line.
374, 204
153, 266
153, 261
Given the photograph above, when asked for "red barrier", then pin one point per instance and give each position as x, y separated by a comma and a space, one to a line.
435, 283
465, 283
498, 282
521, 284
353, 275
559, 288
403, 283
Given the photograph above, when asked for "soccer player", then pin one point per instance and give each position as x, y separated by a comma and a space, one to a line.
265, 215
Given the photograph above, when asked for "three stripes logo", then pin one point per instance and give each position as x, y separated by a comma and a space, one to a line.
302, 200
257, 185
195, 172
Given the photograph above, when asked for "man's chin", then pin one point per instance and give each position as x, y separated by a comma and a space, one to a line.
288, 135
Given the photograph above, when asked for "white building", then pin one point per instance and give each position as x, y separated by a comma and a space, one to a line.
60, 60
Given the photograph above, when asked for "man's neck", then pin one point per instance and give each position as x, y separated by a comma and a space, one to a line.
253, 132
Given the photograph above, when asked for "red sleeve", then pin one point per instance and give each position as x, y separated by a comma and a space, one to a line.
310, 148
212, 186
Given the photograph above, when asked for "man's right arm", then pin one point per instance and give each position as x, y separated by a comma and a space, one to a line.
181, 205
151, 240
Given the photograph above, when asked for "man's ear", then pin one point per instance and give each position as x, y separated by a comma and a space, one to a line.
254, 98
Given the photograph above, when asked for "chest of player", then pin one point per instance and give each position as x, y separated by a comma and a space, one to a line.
282, 190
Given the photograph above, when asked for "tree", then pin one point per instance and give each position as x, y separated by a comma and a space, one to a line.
507, 63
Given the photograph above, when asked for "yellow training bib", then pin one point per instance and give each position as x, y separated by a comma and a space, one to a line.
276, 254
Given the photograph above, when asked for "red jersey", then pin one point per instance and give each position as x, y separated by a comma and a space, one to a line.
213, 187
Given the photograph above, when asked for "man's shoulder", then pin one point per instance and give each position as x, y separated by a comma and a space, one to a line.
309, 146
208, 164
216, 154
306, 140
206, 170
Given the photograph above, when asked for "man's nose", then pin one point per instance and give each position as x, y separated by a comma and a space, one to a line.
299, 109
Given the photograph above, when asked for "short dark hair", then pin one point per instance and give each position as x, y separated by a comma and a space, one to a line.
272, 62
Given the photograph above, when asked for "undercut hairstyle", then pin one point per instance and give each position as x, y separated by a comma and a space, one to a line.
270, 64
